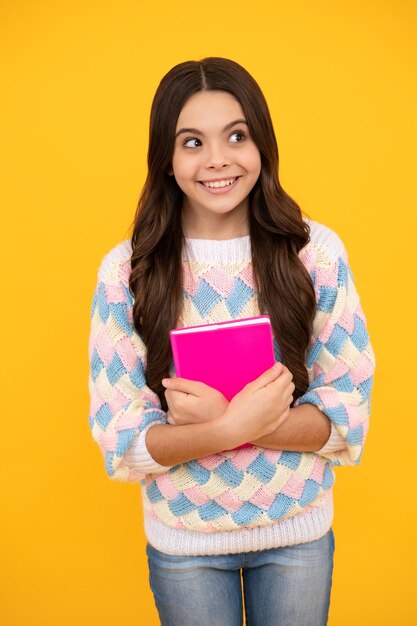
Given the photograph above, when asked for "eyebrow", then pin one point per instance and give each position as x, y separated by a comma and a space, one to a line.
198, 132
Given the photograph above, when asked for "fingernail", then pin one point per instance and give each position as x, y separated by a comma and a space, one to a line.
277, 365
165, 382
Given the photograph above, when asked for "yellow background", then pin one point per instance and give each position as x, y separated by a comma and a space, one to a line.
77, 81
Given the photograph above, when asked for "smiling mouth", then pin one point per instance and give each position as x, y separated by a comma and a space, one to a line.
219, 184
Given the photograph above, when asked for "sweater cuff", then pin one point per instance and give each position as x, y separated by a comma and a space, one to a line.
334, 443
138, 457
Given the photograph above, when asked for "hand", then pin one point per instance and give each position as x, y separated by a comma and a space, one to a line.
261, 406
192, 402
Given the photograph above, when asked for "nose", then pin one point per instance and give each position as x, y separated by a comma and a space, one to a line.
217, 158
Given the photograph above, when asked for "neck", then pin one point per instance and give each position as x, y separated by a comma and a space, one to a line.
215, 226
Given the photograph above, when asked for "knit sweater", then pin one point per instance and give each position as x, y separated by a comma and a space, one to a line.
250, 498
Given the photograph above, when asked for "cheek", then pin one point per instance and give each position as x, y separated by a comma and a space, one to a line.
184, 169
254, 161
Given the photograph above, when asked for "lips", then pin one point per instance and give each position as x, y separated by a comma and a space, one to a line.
219, 180
219, 183
220, 188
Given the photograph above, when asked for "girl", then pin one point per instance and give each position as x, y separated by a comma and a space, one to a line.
216, 238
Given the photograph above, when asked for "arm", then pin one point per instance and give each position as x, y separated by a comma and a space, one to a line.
172, 445
122, 407
254, 412
341, 360
341, 365
306, 429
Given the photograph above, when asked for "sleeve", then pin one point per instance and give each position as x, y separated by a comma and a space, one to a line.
122, 406
334, 443
340, 360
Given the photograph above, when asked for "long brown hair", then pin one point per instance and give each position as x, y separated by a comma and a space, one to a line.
277, 229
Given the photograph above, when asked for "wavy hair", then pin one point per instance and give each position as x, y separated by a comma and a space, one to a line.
276, 227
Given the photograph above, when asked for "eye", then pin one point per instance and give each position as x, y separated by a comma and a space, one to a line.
239, 133
190, 140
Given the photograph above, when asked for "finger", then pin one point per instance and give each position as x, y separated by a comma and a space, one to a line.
289, 390
171, 419
182, 384
288, 397
286, 372
176, 399
284, 381
269, 376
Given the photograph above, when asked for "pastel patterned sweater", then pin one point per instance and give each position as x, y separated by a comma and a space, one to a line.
250, 498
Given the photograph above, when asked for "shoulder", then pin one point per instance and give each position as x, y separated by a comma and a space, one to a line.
325, 246
115, 265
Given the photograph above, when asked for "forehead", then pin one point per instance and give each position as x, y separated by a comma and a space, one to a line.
206, 107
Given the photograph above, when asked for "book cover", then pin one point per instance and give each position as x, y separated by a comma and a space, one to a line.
224, 355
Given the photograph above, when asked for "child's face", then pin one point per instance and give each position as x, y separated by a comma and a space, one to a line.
214, 152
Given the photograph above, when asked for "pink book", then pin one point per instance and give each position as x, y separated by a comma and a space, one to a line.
226, 355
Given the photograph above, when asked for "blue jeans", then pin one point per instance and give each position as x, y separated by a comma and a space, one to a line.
287, 586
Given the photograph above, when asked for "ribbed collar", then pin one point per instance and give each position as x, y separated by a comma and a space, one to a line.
217, 251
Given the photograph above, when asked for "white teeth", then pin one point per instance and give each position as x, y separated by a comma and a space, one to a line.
220, 183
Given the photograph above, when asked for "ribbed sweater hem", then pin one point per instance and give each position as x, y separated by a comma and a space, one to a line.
308, 526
